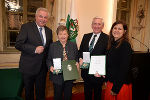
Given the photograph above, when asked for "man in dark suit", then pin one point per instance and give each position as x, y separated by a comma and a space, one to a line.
33, 41
99, 45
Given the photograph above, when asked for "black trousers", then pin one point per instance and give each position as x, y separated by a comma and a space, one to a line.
65, 88
39, 81
90, 87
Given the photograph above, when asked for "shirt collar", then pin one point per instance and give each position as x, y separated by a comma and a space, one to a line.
38, 26
97, 34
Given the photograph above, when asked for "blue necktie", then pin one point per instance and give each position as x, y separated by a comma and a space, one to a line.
41, 35
92, 44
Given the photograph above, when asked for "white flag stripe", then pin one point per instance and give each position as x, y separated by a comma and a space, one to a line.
73, 9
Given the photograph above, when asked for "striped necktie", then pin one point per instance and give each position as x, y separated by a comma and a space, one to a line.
65, 55
41, 35
92, 43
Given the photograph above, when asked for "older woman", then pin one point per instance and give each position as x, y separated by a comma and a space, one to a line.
65, 50
118, 62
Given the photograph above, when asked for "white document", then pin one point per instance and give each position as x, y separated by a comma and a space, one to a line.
57, 63
86, 57
98, 65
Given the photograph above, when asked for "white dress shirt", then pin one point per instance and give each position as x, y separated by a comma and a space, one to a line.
43, 33
96, 38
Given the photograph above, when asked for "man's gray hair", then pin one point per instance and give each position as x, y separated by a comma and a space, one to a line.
98, 18
42, 9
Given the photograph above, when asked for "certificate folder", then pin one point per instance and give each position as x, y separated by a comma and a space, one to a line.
98, 65
70, 71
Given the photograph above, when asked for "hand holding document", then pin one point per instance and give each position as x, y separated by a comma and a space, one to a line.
57, 66
86, 60
98, 65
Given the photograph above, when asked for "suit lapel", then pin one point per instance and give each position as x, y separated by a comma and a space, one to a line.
88, 39
98, 41
46, 34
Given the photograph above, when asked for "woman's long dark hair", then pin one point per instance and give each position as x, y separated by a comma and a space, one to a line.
124, 37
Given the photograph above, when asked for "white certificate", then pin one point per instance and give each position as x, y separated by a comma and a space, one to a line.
98, 65
57, 63
86, 57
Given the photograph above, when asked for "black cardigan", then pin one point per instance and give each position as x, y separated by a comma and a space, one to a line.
118, 64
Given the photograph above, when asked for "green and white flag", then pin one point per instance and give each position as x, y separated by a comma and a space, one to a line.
72, 21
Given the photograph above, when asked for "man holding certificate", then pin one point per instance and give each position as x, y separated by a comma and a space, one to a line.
93, 44
63, 63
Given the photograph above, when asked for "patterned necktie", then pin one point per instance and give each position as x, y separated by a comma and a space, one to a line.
41, 35
92, 44
64, 55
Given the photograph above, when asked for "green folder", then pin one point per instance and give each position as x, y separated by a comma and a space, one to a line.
70, 71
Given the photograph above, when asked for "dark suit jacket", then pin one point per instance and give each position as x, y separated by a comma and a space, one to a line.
26, 42
99, 49
56, 51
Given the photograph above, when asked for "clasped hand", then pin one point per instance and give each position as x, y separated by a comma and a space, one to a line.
39, 49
